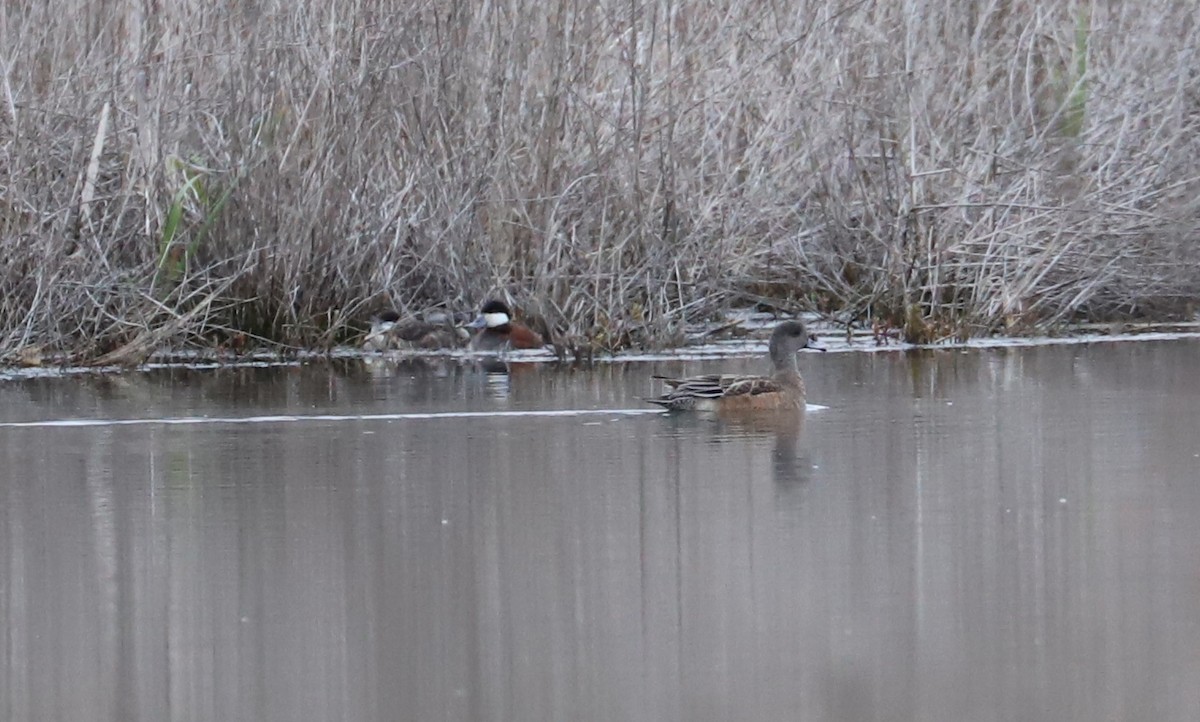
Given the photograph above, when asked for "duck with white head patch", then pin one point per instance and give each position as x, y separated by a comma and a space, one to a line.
498, 331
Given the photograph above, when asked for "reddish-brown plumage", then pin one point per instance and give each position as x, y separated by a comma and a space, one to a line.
521, 337
498, 331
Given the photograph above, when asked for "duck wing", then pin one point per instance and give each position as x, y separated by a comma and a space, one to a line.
752, 386
695, 391
711, 386
705, 380
717, 385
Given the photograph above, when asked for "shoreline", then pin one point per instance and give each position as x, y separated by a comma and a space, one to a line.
832, 340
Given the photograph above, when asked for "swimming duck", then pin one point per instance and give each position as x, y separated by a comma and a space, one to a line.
498, 331
716, 392
434, 332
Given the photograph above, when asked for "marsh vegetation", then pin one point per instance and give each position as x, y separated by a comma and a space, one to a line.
271, 173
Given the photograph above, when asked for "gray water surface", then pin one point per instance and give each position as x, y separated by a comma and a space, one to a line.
1002, 534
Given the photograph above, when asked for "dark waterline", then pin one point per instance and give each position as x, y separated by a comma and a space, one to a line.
1001, 534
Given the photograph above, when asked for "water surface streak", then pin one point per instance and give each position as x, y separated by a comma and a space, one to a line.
981, 534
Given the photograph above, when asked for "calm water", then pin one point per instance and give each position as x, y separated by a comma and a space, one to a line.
960, 535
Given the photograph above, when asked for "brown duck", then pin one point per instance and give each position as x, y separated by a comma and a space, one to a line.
783, 389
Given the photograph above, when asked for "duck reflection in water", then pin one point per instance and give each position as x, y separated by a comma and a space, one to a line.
790, 462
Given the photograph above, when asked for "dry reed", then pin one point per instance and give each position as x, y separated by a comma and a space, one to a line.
196, 172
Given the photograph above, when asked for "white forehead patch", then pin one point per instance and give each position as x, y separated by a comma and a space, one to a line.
495, 319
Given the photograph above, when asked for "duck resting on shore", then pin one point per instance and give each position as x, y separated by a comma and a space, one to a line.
434, 331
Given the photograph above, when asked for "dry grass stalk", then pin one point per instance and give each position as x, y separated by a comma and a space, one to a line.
943, 168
